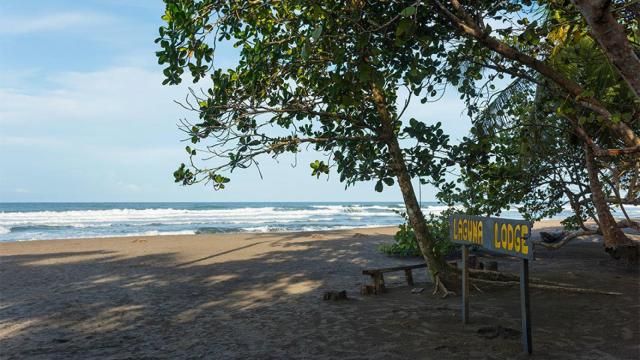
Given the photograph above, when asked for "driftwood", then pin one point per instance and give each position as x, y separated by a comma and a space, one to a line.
548, 287
501, 277
478, 276
551, 237
550, 240
565, 240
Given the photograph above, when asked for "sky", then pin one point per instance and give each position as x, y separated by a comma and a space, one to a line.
84, 117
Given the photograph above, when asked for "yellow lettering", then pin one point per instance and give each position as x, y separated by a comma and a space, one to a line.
465, 223
516, 233
496, 242
525, 247
479, 232
510, 237
460, 230
503, 236
474, 227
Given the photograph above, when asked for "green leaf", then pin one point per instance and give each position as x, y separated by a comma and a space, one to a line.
405, 27
316, 33
167, 16
408, 11
388, 181
379, 186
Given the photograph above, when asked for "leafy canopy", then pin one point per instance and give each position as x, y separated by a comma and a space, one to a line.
304, 78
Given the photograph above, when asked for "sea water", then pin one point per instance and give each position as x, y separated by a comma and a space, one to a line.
39, 221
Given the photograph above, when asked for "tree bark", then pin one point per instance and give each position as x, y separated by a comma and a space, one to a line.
610, 34
435, 263
614, 239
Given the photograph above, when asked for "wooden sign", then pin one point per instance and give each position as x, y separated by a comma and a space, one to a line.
504, 236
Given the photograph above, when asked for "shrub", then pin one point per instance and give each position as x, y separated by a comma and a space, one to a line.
405, 243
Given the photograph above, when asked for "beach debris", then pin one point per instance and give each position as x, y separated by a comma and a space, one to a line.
417, 290
492, 332
335, 295
359, 235
60, 340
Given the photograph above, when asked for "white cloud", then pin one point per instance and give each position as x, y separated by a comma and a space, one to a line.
30, 141
117, 95
19, 25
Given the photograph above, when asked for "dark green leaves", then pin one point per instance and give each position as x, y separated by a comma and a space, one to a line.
408, 11
404, 30
379, 186
315, 35
183, 175
219, 181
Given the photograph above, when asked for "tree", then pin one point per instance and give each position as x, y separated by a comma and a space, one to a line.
523, 51
319, 74
538, 50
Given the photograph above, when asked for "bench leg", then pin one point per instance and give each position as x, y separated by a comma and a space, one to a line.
408, 273
378, 282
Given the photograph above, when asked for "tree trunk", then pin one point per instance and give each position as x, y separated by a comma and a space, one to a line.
616, 242
610, 34
435, 263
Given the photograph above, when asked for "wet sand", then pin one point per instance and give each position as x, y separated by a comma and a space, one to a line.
259, 296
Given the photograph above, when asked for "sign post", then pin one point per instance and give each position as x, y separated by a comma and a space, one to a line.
465, 284
524, 306
504, 236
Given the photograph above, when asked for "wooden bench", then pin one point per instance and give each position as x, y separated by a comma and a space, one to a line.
377, 275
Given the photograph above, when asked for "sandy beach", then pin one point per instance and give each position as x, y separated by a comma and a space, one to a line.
259, 296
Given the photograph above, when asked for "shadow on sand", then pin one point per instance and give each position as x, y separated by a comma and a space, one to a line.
267, 305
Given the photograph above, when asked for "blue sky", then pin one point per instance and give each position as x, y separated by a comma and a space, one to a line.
84, 117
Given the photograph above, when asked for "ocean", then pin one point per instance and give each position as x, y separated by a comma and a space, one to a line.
41, 221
